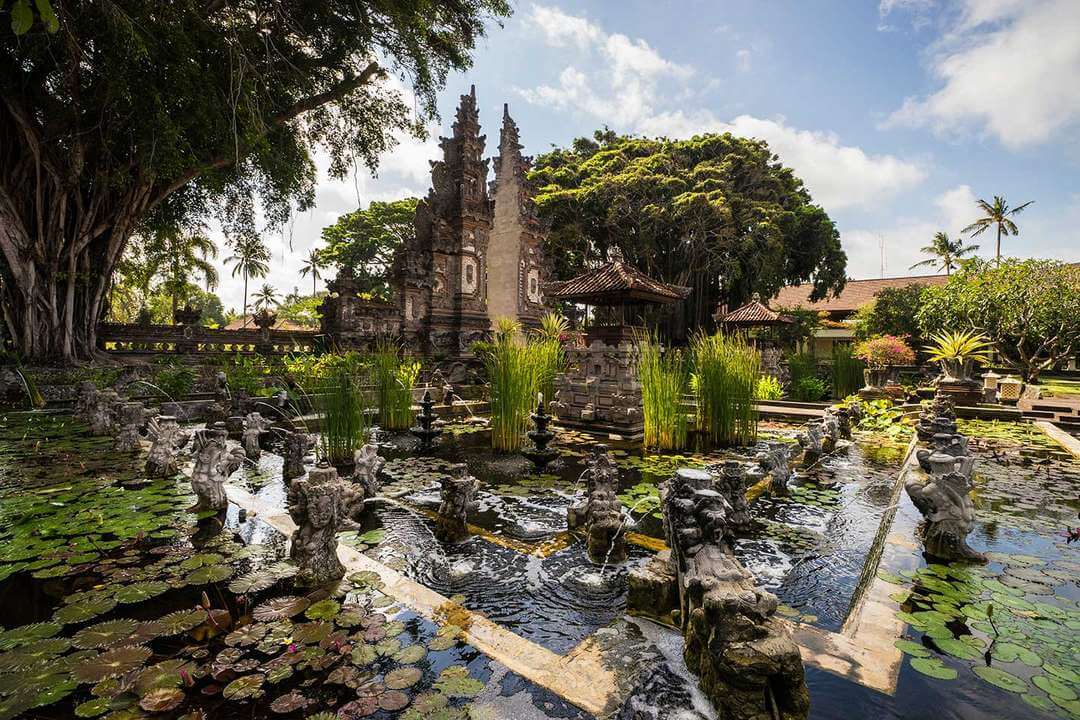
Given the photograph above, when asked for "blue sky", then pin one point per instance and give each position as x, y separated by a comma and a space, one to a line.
897, 114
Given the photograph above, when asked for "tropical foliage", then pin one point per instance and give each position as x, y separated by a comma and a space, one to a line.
665, 379
717, 213
847, 371
725, 375
515, 372
997, 214
343, 420
1026, 308
768, 388
394, 375
892, 312
139, 116
364, 241
313, 265
250, 259
885, 350
265, 298
945, 253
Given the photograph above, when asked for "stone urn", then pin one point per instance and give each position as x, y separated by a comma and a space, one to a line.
875, 379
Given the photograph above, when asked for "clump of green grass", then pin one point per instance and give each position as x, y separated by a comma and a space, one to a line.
344, 422
546, 347
664, 380
395, 376
847, 372
515, 372
725, 375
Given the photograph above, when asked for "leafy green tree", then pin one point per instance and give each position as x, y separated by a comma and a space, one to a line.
208, 304
312, 264
181, 255
301, 310
893, 311
365, 242
265, 298
1026, 307
141, 114
945, 252
717, 213
996, 214
250, 259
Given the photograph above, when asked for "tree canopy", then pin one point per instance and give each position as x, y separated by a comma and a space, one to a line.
140, 114
893, 311
1026, 307
365, 242
717, 213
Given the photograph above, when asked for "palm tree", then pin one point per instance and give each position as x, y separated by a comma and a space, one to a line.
176, 255
997, 213
313, 263
249, 258
265, 297
945, 251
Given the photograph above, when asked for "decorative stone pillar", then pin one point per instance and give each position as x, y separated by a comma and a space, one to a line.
101, 412
458, 494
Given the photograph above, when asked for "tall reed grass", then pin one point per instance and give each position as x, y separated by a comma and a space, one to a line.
664, 380
546, 349
847, 372
517, 369
725, 375
344, 422
394, 376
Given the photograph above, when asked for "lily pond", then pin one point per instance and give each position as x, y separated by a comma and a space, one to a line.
116, 602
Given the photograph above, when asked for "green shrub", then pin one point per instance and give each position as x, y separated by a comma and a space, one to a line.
726, 371
247, 373
175, 381
808, 389
394, 376
514, 372
344, 422
664, 380
768, 388
847, 372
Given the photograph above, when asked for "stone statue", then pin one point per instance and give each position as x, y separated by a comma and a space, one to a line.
254, 427
318, 504
295, 446
729, 479
747, 663
168, 438
368, 465
101, 411
939, 417
843, 420
946, 504
234, 424
775, 461
221, 407
457, 498
130, 417
213, 466
811, 439
85, 399
601, 510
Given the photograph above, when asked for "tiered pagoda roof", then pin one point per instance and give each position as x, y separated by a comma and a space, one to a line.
615, 283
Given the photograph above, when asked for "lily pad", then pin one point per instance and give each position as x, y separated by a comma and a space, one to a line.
112, 663
104, 634
162, 700
932, 667
280, 608
1053, 687
181, 621
1000, 678
454, 681
912, 648
243, 688
403, 677
323, 610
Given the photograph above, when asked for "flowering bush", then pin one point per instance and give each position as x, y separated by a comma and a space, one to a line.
885, 350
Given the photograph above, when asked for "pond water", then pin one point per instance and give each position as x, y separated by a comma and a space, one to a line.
116, 602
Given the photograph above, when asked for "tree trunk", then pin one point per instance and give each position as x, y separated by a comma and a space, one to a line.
998, 257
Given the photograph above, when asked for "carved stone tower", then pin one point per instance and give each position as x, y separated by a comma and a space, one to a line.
442, 277
515, 254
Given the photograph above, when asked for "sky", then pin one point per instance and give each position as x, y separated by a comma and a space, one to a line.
896, 114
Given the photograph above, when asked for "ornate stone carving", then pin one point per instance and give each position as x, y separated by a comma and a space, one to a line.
730, 480
812, 440
85, 400
744, 656
255, 425
949, 512
97, 408
319, 505
938, 417
600, 512
168, 438
458, 493
368, 465
213, 466
295, 446
775, 461
130, 417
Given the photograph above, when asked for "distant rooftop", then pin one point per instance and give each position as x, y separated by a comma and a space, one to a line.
855, 294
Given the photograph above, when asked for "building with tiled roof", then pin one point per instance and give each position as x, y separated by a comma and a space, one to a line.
752, 314
614, 283
855, 294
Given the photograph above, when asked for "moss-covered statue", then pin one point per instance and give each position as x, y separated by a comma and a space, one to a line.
456, 499
320, 505
294, 448
730, 480
255, 426
600, 512
213, 466
130, 417
167, 440
812, 441
774, 461
368, 464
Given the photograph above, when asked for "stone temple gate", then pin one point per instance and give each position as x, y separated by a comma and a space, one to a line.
477, 254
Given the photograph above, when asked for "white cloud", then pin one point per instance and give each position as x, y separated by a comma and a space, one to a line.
629, 75
742, 60
957, 208
837, 175
1009, 69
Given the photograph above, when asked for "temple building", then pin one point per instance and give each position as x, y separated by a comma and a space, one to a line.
477, 254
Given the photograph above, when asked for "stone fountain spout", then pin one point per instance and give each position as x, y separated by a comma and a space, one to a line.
130, 417
255, 426
457, 497
600, 512
319, 504
812, 441
368, 465
774, 461
168, 439
295, 447
730, 481
425, 429
213, 466
748, 665
540, 454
